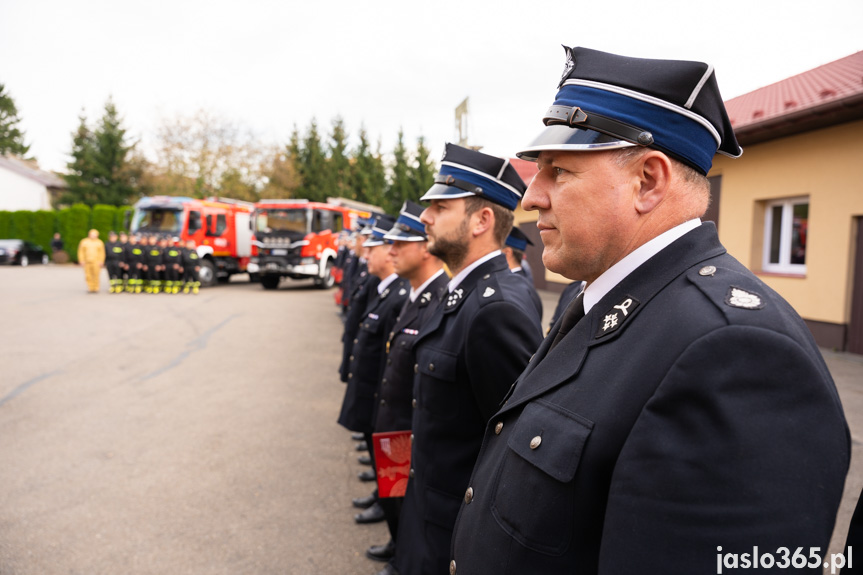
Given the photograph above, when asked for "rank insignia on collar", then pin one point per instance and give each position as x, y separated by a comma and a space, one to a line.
743, 299
488, 292
453, 298
385, 293
425, 299
615, 317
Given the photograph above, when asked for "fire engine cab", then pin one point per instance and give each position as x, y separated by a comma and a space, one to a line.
298, 239
221, 229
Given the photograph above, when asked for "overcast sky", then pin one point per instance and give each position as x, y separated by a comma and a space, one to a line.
267, 65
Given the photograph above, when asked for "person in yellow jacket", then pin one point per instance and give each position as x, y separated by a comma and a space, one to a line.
91, 255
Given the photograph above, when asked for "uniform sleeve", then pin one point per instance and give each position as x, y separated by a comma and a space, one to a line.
81, 252
500, 342
743, 444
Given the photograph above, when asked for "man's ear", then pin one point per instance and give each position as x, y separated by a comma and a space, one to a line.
483, 220
653, 171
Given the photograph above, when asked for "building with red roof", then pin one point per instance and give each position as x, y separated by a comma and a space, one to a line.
791, 208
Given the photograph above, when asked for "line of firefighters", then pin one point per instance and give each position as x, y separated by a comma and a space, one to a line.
151, 264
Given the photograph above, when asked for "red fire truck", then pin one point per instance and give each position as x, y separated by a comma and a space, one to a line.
298, 239
220, 227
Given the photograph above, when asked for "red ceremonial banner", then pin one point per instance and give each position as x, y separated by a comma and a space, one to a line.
392, 462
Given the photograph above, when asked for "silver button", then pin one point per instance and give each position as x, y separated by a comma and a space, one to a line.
350, 376
707, 271
498, 428
356, 340
412, 438
412, 472
413, 402
468, 495
352, 358
534, 443
383, 402
452, 567
416, 368
431, 367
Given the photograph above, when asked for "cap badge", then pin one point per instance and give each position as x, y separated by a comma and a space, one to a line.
568, 66
743, 299
488, 292
616, 316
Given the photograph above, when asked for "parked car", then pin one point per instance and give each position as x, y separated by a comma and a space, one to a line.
22, 253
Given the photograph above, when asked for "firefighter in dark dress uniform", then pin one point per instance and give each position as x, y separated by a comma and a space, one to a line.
469, 352
114, 255
413, 262
680, 409
366, 360
514, 248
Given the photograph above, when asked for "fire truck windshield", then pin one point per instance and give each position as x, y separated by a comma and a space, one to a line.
282, 220
157, 221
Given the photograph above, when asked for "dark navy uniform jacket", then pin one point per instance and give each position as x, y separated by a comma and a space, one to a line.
703, 416
467, 356
366, 362
531, 290
363, 291
397, 384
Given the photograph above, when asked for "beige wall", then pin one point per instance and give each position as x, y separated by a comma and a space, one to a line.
827, 166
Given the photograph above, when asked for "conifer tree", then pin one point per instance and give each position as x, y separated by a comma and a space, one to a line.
401, 188
11, 137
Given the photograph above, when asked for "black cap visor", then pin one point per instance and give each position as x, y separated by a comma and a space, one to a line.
560, 137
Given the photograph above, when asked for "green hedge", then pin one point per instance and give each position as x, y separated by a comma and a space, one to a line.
74, 225
5, 221
21, 225
102, 218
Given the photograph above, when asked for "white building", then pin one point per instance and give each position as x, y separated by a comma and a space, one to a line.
25, 187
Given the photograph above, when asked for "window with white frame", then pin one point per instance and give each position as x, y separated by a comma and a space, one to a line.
786, 224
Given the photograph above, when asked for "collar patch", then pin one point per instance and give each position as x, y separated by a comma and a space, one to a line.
614, 318
454, 298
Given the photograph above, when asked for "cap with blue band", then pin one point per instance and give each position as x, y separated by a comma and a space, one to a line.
465, 172
408, 227
607, 101
382, 225
517, 240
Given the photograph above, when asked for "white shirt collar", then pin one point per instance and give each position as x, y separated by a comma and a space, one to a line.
457, 279
515, 270
386, 282
616, 273
416, 292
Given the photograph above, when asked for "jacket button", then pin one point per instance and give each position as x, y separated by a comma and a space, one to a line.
351, 358
356, 340
452, 567
383, 402
350, 376
416, 368
411, 472
468, 495
534, 443
431, 367
414, 402
412, 438
389, 361
384, 380
498, 428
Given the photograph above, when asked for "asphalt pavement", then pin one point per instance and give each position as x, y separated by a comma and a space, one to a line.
182, 434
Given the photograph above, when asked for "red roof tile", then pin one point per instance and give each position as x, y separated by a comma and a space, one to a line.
526, 169
830, 86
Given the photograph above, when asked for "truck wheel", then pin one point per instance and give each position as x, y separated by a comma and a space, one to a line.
270, 282
328, 280
254, 278
207, 275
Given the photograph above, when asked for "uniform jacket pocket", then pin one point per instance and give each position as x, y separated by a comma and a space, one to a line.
533, 490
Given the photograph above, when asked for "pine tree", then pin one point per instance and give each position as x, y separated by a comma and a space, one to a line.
312, 166
422, 170
99, 172
367, 176
338, 164
401, 187
11, 138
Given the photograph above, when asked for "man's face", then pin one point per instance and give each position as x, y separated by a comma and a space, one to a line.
447, 227
586, 215
93, 234
378, 261
407, 257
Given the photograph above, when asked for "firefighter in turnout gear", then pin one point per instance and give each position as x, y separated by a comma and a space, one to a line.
124, 262
114, 253
172, 258
191, 265
154, 265
136, 263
